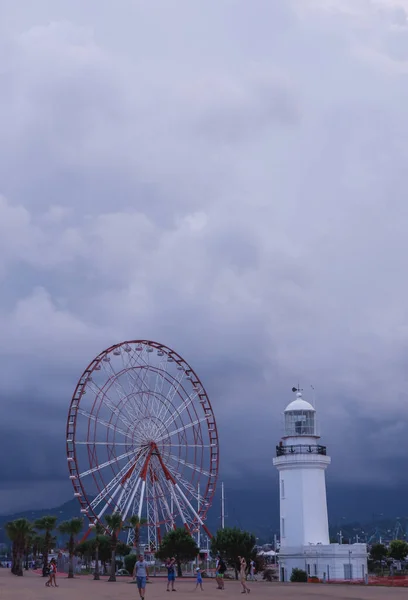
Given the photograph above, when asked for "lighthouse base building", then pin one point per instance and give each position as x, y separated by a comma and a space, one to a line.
327, 562
304, 529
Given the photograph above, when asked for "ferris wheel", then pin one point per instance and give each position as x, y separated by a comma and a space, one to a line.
142, 440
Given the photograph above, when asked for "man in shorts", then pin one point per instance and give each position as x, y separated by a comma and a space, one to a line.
219, 572
171, 573
141, 572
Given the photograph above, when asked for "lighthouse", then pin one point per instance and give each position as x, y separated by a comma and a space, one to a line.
301, 461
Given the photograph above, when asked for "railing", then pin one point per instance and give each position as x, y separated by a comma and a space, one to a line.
300, 449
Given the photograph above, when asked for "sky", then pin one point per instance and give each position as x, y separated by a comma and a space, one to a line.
227, 178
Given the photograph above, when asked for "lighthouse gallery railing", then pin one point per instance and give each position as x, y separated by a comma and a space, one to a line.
300, 449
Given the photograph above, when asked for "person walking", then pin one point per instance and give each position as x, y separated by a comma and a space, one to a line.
242, 575
252, 570
199, 580
141, 574
171, 573
220, 568
49, 573
53, 572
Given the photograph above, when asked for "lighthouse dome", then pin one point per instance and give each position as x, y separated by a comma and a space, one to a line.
299, 404
300, 418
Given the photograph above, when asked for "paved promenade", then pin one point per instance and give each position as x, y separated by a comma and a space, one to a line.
31, 587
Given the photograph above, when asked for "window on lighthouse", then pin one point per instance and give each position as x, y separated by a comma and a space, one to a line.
300, 422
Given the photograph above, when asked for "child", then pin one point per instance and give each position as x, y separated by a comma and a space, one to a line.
199, 580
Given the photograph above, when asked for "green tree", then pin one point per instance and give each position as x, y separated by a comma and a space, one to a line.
115, 523
135, 523
180, 544
72, 528
298, 575
99, 531
46, 524
398, 550
130, 562
19, 532
37, 544
100, 548
231, 543
378, 553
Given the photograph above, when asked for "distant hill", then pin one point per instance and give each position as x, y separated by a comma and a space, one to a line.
257, 510
66, 511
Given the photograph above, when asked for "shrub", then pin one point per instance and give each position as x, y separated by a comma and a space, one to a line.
130, 561
298, 575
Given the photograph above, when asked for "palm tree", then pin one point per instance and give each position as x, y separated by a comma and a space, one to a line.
99, 531
71, 528
46, 524
19, 532
114, 522
135, 523
37, 544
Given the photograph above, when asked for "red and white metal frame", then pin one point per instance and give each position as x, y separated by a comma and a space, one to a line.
142, 439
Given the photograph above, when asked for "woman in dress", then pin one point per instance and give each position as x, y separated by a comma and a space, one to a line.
242, 575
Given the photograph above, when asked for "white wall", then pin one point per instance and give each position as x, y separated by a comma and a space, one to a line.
330, 562
303, 504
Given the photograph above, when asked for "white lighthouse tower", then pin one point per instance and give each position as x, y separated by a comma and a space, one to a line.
304, 529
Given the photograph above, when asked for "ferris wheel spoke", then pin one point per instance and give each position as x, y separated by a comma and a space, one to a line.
129, 494
171, 488
173, 418
174, 389
115, 379
107, 463
167, 514
189, 505
189, 465
189, 445
101, 421
139, 384
133, 385
105, 399
143, 361
162, 370
116, 481
180, 429
131, 497
135, 382
91, 443
186, 484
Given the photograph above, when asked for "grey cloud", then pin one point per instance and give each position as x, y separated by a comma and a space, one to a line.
230, 183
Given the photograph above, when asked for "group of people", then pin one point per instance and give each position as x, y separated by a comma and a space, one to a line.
221, 567
141, 574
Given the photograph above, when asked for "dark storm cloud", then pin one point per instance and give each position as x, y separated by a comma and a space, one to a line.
229, 182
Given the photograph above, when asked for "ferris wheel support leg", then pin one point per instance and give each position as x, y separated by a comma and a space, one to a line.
197, 516
177, 503
139, 512
86, 535
207, 531
199, 519
169, 510
132, 496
